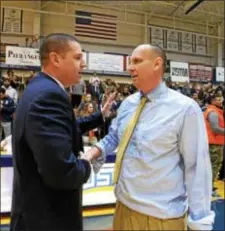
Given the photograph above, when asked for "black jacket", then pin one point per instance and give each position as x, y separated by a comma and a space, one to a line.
48, 175
8, 108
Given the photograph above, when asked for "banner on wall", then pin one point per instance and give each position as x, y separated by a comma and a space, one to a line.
208, 73
172, 40
106, 62
3, 50
220, 74
157, 36
179, 71
12, 20
175, 40
187, 42
201, 45
95, 25
200, 72
22, 56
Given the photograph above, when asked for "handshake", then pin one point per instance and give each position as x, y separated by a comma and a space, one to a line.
86, 156
94, 157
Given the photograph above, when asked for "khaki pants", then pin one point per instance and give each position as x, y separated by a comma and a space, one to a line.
216, 156
127, 219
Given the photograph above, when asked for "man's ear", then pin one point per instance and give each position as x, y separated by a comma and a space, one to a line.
55, 59
158, 63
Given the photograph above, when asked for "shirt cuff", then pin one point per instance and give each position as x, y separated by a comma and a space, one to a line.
206, 223
101, 147
99, 161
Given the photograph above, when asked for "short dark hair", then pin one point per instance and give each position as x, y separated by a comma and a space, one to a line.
2, 90
160, 53
10, 71
57, 42
6, 79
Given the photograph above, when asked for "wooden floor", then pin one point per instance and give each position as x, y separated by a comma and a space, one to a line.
87, 213
100, 218
220, 186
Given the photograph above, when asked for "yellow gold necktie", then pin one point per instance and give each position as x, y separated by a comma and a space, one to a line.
126, 138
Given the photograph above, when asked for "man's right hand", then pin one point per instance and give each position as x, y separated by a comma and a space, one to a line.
91, 154
84, 156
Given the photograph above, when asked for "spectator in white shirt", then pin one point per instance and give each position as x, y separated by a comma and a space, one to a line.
10, 91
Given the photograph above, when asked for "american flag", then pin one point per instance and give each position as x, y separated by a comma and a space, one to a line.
95, 26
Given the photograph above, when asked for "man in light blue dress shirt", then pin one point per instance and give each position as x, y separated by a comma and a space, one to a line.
166, 170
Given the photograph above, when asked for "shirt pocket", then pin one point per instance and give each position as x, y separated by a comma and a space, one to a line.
157, 139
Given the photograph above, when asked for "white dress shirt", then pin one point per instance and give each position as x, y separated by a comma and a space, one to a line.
166, 168
12, 93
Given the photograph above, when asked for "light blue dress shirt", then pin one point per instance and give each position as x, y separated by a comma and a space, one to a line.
166, 168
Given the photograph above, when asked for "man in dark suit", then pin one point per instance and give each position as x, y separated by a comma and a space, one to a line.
48, 172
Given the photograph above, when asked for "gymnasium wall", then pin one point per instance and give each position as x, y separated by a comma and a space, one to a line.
128, 36
27, 24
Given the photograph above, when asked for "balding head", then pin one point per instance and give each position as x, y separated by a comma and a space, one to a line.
154, 51
147, 66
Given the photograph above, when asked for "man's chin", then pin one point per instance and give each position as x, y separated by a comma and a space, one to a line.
135, 84
77, 80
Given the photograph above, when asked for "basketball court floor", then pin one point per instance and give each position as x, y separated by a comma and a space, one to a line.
100, 218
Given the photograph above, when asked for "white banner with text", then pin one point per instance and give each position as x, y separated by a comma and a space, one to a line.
220, 74
179, 72
22, 56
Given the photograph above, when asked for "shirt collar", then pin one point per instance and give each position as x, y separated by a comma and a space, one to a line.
57, 81
157, 92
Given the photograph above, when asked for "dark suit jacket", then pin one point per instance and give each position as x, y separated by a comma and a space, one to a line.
48, 176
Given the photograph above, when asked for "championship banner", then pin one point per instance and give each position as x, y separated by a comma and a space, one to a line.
201, 44
193, 72
172, 40
177, 40
200, 72
187, 43
22, 56
219, 74
179, 72
157, 36
208, 74
12, 20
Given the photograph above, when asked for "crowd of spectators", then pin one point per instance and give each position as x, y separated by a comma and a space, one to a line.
88, 97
